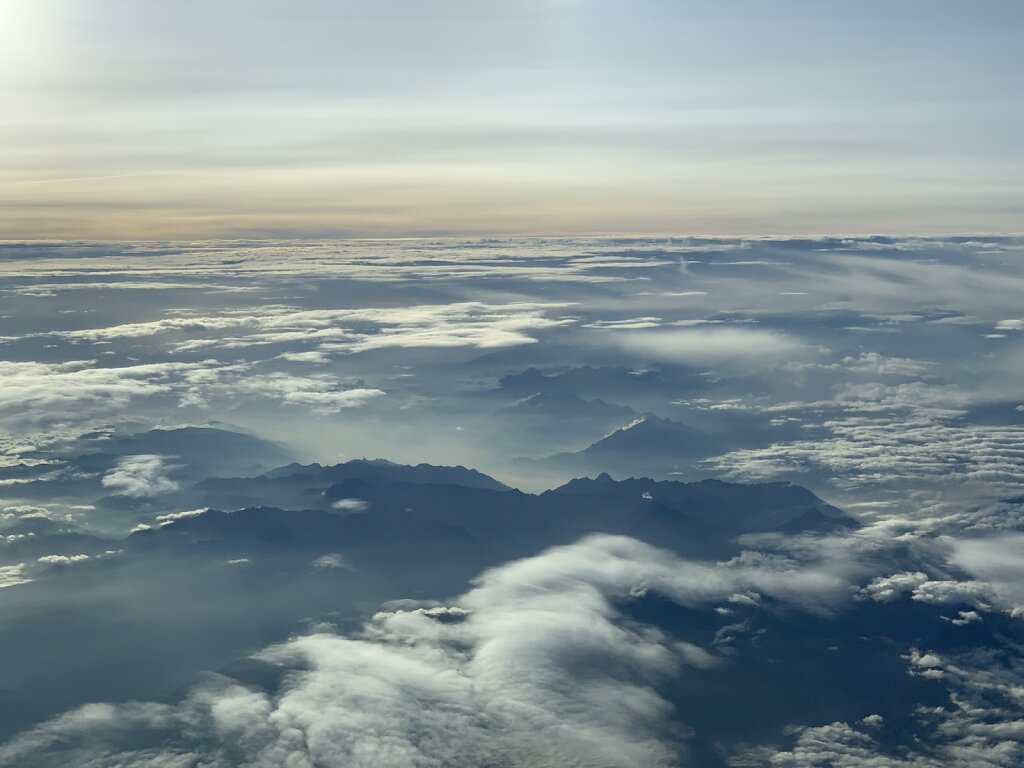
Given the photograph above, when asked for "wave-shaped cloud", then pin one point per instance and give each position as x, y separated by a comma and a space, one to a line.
537, 665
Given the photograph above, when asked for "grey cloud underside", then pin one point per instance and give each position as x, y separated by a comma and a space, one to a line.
187, 433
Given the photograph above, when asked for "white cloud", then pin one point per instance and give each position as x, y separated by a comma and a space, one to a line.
538, 260
966, 617
62, 559
712, 345
170, 517
140, 476
351, 505
952, 592
55, 394
994, 578
1016, 324
13, 575
982, 723
998, 563
22, 512
888, 588
471, 324
875, 363
631, 324
874, 441
332, 561
461, 324
320, 393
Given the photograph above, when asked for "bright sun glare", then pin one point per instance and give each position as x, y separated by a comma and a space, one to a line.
19, 30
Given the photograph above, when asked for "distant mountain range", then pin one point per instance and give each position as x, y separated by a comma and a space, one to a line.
409, 499
377, 503
607, 382
648, 445
563, 406
412, 509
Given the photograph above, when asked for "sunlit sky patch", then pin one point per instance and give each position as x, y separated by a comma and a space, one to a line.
266, 118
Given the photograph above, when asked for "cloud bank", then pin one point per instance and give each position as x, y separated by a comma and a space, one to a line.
537, 665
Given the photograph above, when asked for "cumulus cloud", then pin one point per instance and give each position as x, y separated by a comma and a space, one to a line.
22, 513
140, 476
887, 588
893, 446
966, 617
981, 725
993, 580
62, 559
951, 592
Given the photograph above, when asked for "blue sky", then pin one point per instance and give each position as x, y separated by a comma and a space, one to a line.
146, 119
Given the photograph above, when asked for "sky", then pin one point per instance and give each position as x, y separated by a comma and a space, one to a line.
140, 119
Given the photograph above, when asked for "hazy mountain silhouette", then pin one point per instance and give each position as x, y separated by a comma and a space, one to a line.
383, 504
608, 382
203, 451
563, 405
648, 445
